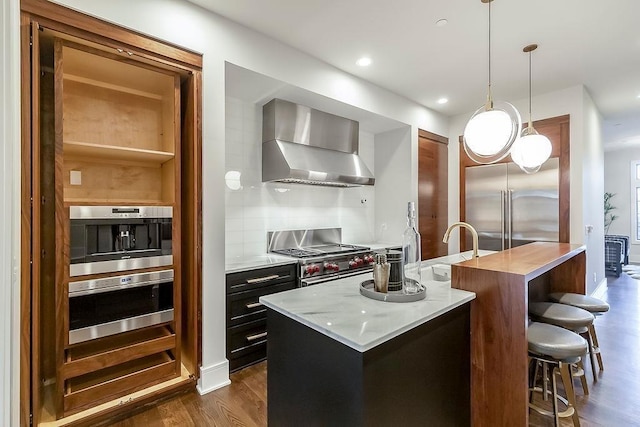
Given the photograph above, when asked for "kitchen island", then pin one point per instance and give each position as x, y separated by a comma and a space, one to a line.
504, 284
336, 357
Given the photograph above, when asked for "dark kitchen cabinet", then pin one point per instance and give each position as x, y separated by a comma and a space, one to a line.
247, 317
110, 117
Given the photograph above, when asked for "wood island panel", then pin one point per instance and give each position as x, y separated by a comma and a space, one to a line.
503, 283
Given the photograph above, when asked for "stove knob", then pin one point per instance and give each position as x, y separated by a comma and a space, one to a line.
359, 261
353, 264
316, 268
310, 269
331, 266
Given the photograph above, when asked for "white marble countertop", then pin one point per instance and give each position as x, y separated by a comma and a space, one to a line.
337, 310
259, 261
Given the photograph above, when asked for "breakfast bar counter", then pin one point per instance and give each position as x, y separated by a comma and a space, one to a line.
504, 284
336, 357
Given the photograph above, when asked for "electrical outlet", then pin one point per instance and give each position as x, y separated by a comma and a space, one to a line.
75, 177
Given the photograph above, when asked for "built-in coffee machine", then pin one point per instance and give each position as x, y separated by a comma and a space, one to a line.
115, 238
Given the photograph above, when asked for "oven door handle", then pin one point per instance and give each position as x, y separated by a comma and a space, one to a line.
263, 279
324, 279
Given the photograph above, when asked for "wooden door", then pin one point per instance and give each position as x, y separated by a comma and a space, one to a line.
432, 193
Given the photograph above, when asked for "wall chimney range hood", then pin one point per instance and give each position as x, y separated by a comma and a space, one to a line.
306, 146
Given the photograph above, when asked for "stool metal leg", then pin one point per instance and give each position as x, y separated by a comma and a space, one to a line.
596, 345
569, 390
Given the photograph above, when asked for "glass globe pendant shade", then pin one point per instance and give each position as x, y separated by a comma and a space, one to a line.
490, 132
531, 150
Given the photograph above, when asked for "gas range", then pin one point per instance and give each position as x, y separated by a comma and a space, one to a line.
319, 261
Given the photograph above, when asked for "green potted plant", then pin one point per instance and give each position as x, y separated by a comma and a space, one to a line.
609, 217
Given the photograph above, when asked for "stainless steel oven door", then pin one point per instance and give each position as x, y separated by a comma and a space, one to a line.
109, 306
309, 281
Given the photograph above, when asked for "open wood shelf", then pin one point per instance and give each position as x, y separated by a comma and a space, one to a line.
111, 351
114, 152
109, 383
106, 85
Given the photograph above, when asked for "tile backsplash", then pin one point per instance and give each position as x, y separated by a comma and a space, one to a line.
253, 207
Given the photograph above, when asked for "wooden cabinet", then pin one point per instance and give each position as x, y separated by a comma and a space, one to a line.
110, 118
247, 317
120, 128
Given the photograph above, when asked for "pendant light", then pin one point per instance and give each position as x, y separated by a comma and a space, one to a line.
493, 128
531, 150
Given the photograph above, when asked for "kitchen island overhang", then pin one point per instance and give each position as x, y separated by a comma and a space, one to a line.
338, 358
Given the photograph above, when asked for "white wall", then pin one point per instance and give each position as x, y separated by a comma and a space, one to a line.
587, 169
394, 183
9, 213
617, 176
221, 40
258, 207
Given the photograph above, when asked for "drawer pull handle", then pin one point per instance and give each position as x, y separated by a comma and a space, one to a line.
263, 279
256, 336
253, 305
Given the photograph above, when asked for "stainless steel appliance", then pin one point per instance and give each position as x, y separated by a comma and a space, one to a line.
117, 238
108, 306
321, 256
307, 146
510, 208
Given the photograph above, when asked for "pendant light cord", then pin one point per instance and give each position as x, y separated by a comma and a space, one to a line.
530, 124
489, 97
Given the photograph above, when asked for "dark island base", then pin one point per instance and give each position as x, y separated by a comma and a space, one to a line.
418, 378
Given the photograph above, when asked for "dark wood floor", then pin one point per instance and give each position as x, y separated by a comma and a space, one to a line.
613, 401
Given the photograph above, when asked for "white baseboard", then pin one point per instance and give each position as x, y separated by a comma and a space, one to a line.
600, 289
213, 377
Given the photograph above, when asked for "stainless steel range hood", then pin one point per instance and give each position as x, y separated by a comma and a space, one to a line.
307, 146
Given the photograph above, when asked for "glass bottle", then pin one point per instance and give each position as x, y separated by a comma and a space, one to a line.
411, 253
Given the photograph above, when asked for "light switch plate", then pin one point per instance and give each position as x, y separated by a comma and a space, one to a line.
76, 178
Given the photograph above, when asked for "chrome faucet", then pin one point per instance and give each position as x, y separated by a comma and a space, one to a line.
473, 231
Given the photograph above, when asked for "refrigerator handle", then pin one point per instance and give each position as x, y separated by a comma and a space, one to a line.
502, 214
509, 216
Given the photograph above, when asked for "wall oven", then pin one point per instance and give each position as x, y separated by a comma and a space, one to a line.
109, 306
107, 239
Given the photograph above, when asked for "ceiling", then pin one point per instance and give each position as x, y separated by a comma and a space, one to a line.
589, 42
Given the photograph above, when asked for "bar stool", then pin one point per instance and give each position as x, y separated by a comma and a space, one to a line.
593, 305
566, 316
558, 347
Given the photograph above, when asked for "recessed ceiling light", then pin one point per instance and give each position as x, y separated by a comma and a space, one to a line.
442, 101
365, 61
441, 22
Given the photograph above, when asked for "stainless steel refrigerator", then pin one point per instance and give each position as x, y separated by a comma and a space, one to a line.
509, 208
